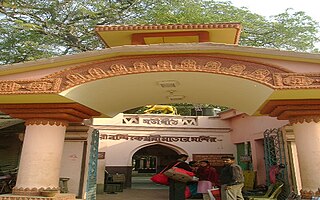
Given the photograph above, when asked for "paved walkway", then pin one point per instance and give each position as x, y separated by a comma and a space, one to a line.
136, 194
142, 189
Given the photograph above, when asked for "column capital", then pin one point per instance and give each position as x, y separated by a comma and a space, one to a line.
49, 113
296, 111
38, 121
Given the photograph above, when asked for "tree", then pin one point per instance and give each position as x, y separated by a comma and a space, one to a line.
32, 29
293, 28
287, 31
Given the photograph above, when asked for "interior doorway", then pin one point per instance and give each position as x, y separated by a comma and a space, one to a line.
152, 159
148, 161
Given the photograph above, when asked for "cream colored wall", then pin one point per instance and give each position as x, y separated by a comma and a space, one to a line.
296, 167
71, 164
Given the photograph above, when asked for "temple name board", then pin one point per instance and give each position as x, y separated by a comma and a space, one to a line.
159, 121
158, 138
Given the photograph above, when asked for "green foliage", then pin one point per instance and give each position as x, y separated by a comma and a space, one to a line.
32, 29
184, 109
288, 31
294, 28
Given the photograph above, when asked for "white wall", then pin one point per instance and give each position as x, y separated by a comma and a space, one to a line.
71, 164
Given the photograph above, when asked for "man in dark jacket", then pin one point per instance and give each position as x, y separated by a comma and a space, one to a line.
177, 188
231, 179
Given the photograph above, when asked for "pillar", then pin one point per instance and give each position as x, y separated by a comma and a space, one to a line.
307, 137
304, 116
43, 143
41, 156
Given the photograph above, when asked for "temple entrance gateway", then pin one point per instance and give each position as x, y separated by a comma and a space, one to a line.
261, 85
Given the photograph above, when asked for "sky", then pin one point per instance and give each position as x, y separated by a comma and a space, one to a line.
273, 7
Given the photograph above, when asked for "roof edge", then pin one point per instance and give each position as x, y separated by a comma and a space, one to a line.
235, 25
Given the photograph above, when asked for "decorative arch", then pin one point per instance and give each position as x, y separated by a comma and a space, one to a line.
205, 63
269, 75
177, 149
272, 76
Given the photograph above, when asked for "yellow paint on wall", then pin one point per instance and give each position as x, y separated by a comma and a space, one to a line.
295, 94
291, 95
120, 38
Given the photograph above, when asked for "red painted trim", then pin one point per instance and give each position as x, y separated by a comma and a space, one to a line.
138, 38
71, 112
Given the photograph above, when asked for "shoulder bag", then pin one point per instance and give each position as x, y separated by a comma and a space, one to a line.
179, 174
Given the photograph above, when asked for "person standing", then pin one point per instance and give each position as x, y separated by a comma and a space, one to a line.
177, 188
193, 186
274, 171
208, 177
231, 179
194, 165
